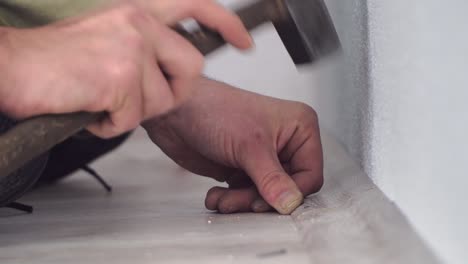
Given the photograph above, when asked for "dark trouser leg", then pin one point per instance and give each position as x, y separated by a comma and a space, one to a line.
62, 160
18, 183
75, 153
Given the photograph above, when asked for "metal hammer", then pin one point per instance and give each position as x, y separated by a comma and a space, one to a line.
304, 26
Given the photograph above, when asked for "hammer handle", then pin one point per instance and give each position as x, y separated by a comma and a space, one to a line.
37, 135
254, 15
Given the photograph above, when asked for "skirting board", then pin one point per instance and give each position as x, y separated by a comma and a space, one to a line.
352, 221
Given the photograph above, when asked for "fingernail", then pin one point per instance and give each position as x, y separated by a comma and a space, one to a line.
260, 206
252, 41
289, 201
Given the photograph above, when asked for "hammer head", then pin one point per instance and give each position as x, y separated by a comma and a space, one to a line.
307, 30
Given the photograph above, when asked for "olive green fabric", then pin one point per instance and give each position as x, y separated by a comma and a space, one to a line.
29, 13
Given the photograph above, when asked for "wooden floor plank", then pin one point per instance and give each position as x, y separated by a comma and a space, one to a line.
156, 215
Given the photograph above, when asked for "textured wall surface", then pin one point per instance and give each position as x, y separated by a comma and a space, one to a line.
400, 107
419, 69
342, 95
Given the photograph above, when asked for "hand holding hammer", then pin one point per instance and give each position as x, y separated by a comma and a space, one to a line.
304, 26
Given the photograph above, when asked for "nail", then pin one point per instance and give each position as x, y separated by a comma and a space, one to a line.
290, 201
260, 206
252, 41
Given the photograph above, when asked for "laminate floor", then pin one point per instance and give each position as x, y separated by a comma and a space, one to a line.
156, 215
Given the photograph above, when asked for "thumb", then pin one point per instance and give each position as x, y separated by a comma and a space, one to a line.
273, 183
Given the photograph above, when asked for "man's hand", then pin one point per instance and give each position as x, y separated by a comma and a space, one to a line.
114, 60
262, 147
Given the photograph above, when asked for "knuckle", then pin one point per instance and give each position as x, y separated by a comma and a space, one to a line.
318, 184
313, 187
98, 101
134, 15
117, 79
120, 72
127, 116
104, 99
130, 19
308, 112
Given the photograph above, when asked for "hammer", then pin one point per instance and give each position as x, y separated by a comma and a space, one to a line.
305, 27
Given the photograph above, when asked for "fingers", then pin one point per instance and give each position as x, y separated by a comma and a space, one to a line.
303, 153
117, 69
127, 117
273, 183
180, 61
303, 160
228, 201
210, 14
260, 206
155, 88
236, 201
213, 196
216, 17
307, 167
175, 55
150, 94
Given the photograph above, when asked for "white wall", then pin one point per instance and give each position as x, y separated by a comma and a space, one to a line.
419, 87
396, 99
409, 116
